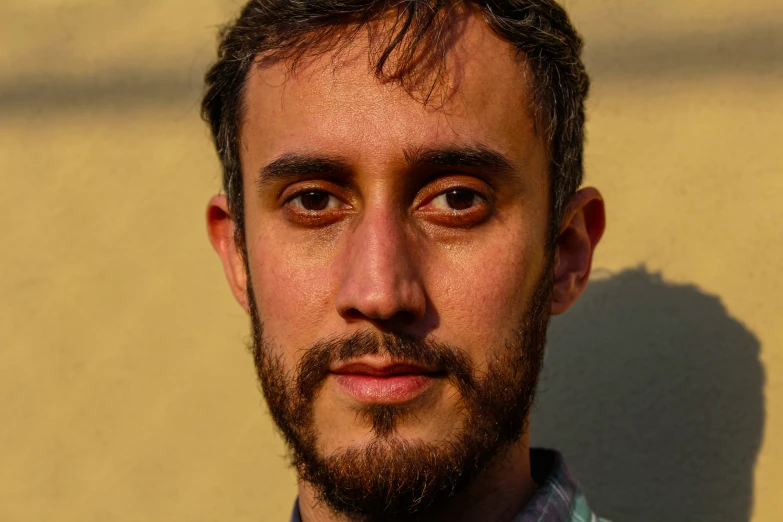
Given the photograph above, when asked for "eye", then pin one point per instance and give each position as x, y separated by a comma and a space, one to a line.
456, 200
456, 206
314, 201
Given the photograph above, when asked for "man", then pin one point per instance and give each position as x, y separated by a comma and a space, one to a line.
401, 216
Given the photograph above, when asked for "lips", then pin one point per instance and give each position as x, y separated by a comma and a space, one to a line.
376, 382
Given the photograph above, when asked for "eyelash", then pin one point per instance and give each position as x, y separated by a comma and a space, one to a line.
439, 194
445, 193
312, 191
478, 211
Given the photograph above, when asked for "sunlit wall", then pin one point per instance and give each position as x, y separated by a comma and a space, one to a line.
126, 391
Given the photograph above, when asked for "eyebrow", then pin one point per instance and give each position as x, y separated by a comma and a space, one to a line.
466, 156
294, 165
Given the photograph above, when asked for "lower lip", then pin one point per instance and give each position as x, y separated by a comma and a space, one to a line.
391, 389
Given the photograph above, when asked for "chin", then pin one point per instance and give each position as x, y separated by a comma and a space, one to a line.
429, 417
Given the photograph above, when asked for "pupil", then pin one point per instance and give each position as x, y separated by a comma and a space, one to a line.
460, 199
315, 200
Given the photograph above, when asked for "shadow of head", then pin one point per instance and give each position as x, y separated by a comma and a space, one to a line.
654, 394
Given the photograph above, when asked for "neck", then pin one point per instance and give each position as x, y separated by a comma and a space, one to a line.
496, 495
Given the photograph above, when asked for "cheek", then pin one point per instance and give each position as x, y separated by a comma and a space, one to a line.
481, 294
293, 290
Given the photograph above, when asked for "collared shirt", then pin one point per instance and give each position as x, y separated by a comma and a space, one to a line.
557, 499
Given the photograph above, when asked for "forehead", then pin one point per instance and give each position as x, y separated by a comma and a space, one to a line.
335, 103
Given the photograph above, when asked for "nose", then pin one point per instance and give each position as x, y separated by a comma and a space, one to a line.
382, 279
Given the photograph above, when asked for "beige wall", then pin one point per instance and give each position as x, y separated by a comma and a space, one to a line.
125, 389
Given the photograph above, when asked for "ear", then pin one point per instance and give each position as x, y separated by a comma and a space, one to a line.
220, 227
582, 227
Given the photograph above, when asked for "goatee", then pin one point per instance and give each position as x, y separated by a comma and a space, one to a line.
390, 477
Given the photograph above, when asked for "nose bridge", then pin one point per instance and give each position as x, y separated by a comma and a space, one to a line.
379, 244
381, 279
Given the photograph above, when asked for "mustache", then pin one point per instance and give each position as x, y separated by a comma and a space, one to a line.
313, 367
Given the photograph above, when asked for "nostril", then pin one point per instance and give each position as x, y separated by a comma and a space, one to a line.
353, 314
399, 318
404, 317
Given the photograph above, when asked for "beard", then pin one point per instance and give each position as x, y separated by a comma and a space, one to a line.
390, 477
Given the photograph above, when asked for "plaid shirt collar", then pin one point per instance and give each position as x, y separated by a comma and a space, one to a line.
558, 499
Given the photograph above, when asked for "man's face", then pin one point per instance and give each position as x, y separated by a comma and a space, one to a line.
373, 220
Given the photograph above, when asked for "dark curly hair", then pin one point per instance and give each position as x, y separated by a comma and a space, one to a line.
269, 31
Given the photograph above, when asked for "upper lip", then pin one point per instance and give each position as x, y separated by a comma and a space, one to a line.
381, 368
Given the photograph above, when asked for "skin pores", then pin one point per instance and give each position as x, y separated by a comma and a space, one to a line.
387, 250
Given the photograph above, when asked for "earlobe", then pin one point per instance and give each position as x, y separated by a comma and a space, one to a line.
582, 227
220, 228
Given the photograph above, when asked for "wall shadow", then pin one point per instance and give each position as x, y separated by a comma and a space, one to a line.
749, 51
654, 394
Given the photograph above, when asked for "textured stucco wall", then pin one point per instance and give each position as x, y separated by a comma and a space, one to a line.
125, 389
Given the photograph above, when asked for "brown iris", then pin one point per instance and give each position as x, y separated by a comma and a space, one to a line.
314, 200
460, 199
